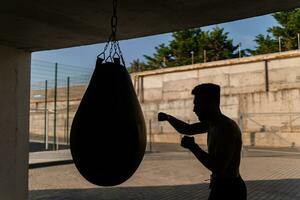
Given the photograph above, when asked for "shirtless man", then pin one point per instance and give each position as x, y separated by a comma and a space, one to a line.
223, 140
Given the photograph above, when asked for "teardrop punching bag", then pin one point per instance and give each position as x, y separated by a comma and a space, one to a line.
108, 134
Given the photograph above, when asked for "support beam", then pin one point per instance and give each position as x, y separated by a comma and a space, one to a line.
42, 25
14, 123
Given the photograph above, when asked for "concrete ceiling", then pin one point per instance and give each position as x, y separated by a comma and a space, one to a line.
40, 25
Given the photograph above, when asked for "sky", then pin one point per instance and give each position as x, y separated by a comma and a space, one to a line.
243, 31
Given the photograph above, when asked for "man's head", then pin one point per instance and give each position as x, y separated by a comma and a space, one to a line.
206, 100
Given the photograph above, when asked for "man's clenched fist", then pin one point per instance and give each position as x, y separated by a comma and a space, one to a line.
188, 142
162, 116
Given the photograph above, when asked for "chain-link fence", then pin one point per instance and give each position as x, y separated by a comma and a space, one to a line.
56, 91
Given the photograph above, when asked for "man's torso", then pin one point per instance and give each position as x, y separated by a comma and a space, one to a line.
224, 134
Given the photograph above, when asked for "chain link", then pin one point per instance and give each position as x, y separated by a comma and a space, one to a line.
115, 54
114, 20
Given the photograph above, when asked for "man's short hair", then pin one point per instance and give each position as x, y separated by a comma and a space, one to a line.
208, 90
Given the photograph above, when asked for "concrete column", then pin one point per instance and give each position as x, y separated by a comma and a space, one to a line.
14, 123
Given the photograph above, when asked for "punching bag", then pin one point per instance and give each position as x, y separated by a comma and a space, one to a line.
108, 133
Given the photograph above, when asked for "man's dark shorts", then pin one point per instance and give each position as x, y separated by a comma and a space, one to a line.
223, 189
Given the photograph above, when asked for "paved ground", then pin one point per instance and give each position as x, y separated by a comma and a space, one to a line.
64, 154
37, 146
174, 176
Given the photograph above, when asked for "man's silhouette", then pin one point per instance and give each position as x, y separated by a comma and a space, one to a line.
223, 140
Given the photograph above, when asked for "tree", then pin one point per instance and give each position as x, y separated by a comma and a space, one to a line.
266, 44
288, 27
179, 51
160, 58
218, 46
183, 43
136, 66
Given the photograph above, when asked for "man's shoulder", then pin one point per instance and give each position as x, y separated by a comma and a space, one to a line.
229, 125
226, 121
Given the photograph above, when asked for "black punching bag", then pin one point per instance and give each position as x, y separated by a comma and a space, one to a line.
108, 134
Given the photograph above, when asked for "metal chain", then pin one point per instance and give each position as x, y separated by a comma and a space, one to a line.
114, 20
102, 54
114, 54
120, 53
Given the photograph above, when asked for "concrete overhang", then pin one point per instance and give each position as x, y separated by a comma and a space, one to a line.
35, 25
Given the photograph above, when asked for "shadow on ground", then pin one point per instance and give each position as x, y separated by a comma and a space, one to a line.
284, 189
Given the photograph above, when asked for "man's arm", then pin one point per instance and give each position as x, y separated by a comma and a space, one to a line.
201, 155
224, 150
182, 127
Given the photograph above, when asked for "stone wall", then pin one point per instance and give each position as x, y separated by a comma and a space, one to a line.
261, 93
267, 86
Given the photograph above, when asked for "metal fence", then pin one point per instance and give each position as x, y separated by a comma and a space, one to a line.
56, 90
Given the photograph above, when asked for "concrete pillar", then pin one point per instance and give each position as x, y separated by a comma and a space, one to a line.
14, 123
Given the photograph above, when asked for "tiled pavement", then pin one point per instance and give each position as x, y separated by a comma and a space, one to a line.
170, 176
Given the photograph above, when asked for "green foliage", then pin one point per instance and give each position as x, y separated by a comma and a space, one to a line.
136, 66
266, 44
192, 41
216, 45
180, 48
288, 28
159, 58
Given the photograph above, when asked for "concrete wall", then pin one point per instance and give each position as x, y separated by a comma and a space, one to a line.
268, 86
262, 85
37, 117
14, 120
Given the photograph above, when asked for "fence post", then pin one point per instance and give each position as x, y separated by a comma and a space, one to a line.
68, 107
150, 135
192, 53
142, 89
241, 118
240, 52
241, 121
45, 116
298, 36
55, 102
47, 132
279, 43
